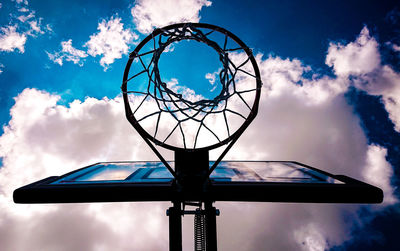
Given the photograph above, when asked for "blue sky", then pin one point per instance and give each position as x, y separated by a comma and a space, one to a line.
331, 99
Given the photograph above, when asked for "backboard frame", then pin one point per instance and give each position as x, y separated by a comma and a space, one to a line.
351, 191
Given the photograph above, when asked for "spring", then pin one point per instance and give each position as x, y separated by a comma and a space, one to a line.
199, 232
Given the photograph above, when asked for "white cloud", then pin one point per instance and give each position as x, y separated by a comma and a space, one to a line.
55, 57
10, 39
169, 48
282, 76
23, 9
36, 27
308, 120
291, 114
52, 139
148, 14
358, 57
29, 23
68, 53
58, 139
48, 28
111, 41
393, 46
21, 2
396, 47
24, 18
361, 61
384, 82
33, 26
14, 36
378, 172
211, 77
311, 237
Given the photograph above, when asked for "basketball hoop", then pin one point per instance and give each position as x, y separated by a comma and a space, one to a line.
190, 118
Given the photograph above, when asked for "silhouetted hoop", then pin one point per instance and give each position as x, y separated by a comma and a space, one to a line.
177, 120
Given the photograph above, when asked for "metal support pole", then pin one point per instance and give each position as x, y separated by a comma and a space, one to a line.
211, 226
175, 227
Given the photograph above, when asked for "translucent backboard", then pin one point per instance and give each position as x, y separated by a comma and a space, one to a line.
118, 172
268, 181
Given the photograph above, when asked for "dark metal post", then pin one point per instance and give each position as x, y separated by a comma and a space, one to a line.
175, 227
191, 169
211, 226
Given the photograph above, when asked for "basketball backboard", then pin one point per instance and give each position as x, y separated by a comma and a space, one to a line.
264, 181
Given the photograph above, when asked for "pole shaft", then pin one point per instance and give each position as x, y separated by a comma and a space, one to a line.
211, 226
175, 227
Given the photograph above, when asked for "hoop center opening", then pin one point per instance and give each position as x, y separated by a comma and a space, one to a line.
191, 69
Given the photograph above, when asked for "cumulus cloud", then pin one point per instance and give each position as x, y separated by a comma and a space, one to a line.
378, 172
361, 61
59, 139
55, 139
310, 122
68, 53
384, 82
303, 119
285, 75
11, 40
110, 42
149, 14
357, 58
